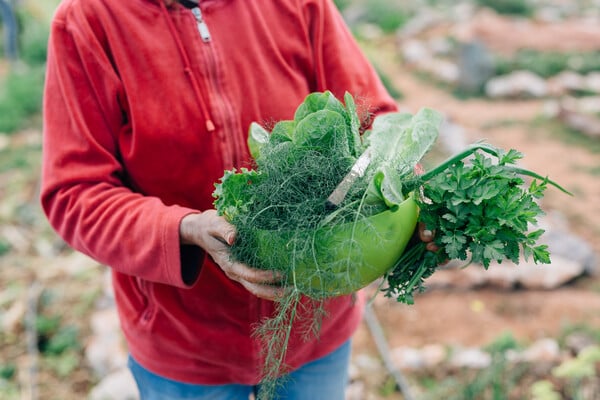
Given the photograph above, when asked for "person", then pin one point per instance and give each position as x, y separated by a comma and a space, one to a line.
146, 104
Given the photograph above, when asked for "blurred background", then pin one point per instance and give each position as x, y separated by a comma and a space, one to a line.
521, 74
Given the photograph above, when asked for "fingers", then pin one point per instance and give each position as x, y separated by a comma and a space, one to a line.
267, 292
241, 272
261, 283
426, 235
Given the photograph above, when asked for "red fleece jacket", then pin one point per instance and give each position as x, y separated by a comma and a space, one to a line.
132, 94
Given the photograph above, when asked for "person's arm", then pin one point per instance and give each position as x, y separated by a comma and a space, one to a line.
83, 192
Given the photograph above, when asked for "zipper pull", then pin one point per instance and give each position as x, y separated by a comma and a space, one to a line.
202, 28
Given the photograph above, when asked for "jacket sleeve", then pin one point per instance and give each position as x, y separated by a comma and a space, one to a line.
340, 64
83, 190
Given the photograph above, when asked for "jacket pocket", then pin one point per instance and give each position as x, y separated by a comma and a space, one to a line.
149, 308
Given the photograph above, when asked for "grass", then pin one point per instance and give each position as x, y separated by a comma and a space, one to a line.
20, 97
21, 88
549, 63
509, 7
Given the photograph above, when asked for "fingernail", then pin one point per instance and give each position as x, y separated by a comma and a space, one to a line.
427, 233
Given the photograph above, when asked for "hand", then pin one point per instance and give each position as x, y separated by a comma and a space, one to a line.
215, 235
427, 236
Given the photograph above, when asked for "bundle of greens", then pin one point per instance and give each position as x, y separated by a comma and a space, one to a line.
479, 206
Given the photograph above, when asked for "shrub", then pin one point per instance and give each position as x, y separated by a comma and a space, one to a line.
511, 7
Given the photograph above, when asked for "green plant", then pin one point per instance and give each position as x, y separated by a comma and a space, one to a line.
544, 390
387, 14
7, 370
4, 247
20, 97
53, 338
548, 63
578, 370
511, 7
505, 341
342, 4
33, 37
587, 330
480, 210
501, 380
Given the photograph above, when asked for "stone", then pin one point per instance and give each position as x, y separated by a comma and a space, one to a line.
106, 350
13, 318
407, 358
476, 66
544, 350
470, 358
415, 52
119, 385
548, 276
516, 84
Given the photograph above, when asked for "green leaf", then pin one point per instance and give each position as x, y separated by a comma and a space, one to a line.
319, 101
402, 140
391, 188
257, 138
323, 130
354, 139
283, 131
454, 245
232, 193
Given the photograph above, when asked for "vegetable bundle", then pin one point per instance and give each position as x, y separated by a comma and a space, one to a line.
481, 211
477, 202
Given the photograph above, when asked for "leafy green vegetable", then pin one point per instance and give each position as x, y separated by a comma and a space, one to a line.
481, 211
480, 207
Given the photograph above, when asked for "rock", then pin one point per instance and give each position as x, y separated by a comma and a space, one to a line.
562, 243
119, 385
353, 372
367, 362
456, 277
542, 351
105, 350
516, 84
12, 319
550, 276
434, 355
442, 70
415, 52
4, 141
565, 82
504, 275
407, 358
476, 66
356, 391
587, 124
470, 358
592, 82
424, 20
17, 236
576, 342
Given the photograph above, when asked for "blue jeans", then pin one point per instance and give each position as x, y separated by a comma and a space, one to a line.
323, 379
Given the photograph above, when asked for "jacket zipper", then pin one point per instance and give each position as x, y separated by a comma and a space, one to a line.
202, 27
231, 156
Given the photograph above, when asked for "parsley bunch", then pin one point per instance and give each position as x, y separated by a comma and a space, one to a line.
480, 211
